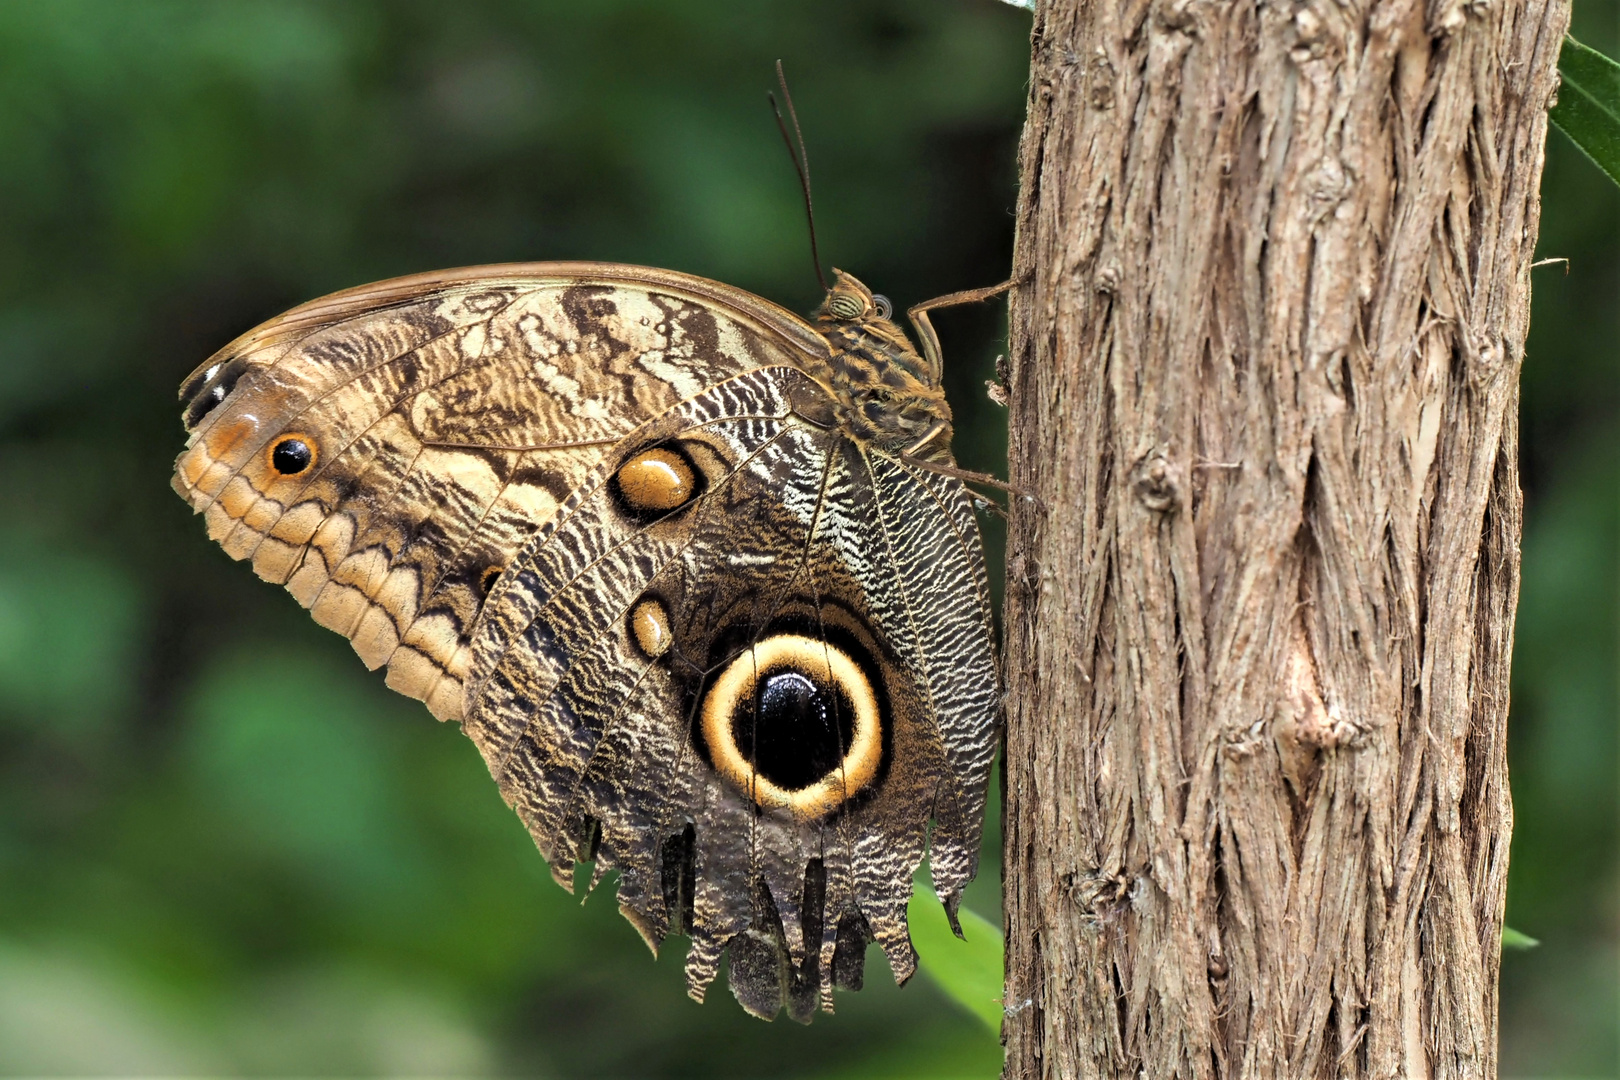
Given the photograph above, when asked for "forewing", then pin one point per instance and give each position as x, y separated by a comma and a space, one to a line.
446, 418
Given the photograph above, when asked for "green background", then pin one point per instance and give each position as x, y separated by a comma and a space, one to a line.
224, 846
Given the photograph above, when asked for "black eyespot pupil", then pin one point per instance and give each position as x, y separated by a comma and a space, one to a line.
291, 457
491, 576
796, 732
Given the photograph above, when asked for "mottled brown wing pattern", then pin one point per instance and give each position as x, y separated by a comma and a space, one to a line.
416, 400
609, 519
795, 533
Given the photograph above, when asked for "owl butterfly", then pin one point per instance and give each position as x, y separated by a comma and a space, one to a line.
697, 576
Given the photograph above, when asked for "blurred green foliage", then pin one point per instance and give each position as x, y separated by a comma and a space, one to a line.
969, 969
224, 846
1588, 105
1561, 1000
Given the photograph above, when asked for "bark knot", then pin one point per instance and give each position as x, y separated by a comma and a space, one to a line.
1156, 485
1098, 894
1100, 83
1331, 183
1108, 275
1307, 724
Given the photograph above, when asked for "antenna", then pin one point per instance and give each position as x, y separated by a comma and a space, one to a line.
801, 164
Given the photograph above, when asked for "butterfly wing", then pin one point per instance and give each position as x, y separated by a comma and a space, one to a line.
797, 563
384, 451
572, 505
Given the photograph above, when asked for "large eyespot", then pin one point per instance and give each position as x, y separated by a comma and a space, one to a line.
846, 306
881, 302
292, 455
793, 722
656, 481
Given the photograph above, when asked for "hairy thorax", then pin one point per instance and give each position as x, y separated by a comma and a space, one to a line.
884, 393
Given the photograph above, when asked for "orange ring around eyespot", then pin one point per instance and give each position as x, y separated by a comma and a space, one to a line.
310, 444
827, 665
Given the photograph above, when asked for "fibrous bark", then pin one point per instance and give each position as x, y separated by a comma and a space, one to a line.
1265, 353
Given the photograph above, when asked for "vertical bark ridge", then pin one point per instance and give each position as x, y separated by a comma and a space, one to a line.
1265, 370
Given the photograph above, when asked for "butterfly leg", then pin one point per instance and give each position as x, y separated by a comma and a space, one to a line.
970, 477
928, 437
925, 329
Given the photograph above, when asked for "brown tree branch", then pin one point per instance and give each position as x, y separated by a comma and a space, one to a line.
1257, 807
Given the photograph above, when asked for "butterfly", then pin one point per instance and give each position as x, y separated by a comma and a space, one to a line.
697, 576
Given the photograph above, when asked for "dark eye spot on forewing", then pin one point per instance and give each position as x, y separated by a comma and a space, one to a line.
293, 455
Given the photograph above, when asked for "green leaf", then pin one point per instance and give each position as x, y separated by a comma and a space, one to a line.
1588, 108
967, 970
1516, 939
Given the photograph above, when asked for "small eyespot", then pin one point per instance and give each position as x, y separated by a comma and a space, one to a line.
884, 308
487, 580
292, 455
649, 625
845, 306
656, 481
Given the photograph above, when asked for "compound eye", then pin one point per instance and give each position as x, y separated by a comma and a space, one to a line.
884, 308
846, 306
794, 722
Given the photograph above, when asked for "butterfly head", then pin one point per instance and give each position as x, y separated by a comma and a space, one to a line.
887, 394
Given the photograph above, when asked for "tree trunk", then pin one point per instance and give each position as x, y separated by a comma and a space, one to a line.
1275, 264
